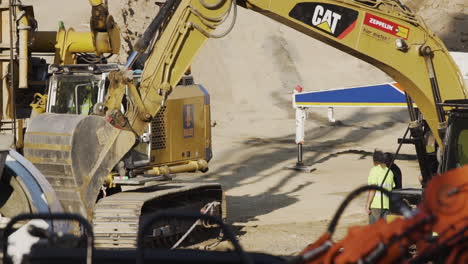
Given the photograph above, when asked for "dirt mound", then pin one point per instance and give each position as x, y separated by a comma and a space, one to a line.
448, 19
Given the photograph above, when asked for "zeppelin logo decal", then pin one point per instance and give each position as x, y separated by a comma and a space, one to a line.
334, 20
386, 26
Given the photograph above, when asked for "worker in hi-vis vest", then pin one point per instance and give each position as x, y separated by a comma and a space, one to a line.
377, 206
86, 105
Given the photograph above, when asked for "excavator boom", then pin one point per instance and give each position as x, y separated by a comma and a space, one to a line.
383, 33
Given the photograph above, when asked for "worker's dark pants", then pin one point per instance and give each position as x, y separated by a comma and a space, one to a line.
376, 214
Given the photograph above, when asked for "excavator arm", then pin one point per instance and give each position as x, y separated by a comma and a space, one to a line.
383, 33
172, 40
103, 38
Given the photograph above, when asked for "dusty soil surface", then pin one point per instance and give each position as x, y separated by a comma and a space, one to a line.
250, 75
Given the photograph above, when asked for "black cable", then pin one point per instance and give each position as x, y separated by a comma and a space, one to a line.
93, 59
332, 226
151, 218
347, 201
150, 32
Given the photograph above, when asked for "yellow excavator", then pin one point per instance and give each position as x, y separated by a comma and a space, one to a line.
76, 83
77, 153
25, 53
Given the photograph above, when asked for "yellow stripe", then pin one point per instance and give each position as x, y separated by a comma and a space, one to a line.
48, 134
37, 160
48, 146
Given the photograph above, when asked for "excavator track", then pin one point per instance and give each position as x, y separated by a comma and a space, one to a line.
117, 217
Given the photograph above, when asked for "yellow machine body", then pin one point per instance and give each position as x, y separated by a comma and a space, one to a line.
181, 131
22, 63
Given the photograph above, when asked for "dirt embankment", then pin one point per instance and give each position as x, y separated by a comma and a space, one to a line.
447, 18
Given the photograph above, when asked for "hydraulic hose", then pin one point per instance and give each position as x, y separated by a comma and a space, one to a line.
228, 30
349, 199
144, 41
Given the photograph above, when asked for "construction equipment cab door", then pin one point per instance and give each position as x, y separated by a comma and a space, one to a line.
73, 94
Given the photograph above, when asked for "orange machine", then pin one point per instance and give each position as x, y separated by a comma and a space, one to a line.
443, 211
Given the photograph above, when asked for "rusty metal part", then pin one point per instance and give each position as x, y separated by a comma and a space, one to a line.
117, 217
118, 119
43, 41
99, 14
75, 153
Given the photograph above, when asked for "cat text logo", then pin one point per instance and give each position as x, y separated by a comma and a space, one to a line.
324, 19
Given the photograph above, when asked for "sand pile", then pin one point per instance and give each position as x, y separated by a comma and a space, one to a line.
447, 18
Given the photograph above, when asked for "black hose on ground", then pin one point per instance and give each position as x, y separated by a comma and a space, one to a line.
349, 199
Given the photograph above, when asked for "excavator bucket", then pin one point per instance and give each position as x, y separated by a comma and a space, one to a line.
75, 153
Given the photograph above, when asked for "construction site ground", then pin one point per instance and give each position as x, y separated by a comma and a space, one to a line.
280, 211
250, 75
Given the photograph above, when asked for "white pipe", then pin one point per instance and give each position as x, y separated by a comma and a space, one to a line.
331, 115
300, 122
23, 54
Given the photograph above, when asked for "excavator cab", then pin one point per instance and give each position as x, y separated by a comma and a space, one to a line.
74, 96
76, 89
456, 138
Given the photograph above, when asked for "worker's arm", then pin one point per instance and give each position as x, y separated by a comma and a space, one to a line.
370, 197
371, 180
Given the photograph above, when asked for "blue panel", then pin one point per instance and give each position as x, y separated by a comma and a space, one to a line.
375, 94
205, 92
